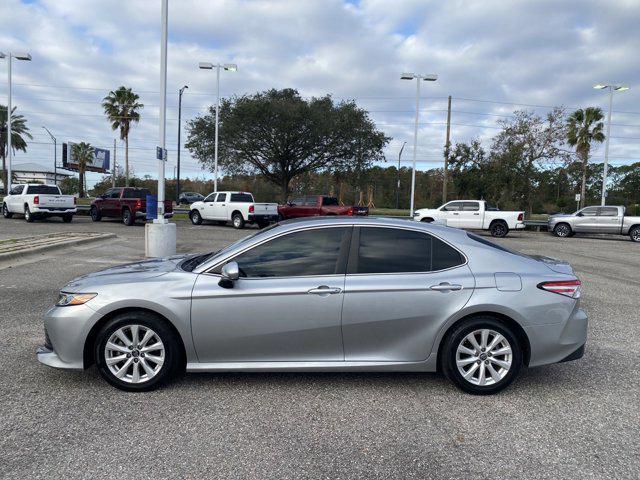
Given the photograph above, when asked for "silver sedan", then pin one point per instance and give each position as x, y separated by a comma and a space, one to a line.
341, 294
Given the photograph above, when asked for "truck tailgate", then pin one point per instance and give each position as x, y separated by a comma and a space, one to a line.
55, 201
265, 208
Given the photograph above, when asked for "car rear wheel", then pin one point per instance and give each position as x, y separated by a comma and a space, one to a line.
195, 217
137, 352
562, 230
5, 211
95, 214
482, 356
238, 221
499, 229
67, 218
28, 216
127, 217
634, 233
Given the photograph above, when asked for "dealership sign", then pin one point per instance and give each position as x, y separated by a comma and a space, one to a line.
99, 163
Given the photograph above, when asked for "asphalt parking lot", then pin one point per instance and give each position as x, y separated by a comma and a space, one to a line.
573, 420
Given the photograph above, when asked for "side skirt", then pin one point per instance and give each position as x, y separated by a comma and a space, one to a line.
423, 366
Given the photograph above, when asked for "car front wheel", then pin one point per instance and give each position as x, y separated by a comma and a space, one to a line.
95, 214
195, 217
137, 352
562, 230
5, 211
482, 356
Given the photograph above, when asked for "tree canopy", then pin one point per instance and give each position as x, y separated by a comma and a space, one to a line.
280, 136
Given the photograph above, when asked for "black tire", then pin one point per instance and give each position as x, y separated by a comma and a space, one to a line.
67, 218
195, 217
499, 229
281, 218
457, 336
262, 225
5, 211
238, 221
173, 361
28, 216
634, 234
127, 217
563, 230
427, 220
96, 216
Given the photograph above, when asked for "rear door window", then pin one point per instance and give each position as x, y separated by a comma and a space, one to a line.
608, 212
470, 206
222, 197
17, 190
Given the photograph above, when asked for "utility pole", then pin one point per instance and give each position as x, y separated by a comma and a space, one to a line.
447, 148
398, 178
55, 156
180, 92
113, 177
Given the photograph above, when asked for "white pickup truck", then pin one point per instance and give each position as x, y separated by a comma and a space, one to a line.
473, 214
236, 207
34, 200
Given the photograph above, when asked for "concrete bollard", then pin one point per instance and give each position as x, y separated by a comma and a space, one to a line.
159, 239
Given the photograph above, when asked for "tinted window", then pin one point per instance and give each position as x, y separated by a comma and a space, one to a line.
136, 193
392, 250
470, 206
444, 256
298, 201
43, 189
210, 197
115, 193
312, 252
329, 201
590, 212
311, 201
242, 197
17, 190
222, 197
453, 207
608, 212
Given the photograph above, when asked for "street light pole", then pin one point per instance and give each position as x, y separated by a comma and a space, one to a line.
232, 67
180, 92
398, 177
617, 88
417, 77
9, 56
55, 156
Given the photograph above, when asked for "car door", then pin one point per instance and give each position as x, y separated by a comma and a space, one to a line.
401, 287
296, 207
208, 207
586, 220
286, 306
608, 220
451, 213
14, 202
220, 207
469, 216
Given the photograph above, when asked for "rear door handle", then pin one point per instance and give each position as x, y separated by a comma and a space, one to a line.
445, 287
456, 213
324, 290
476, 214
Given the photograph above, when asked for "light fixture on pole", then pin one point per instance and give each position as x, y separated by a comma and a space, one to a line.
617, 88
9, 56
230, 67
417, 77
55, 156
180, 92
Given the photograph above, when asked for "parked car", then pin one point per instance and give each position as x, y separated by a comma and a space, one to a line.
473, 214
609, 219
340, 293
237, 207
127, 203
187, 198
318, 205
34, 200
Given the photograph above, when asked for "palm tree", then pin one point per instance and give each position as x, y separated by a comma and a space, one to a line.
83, 154
19, 133
584, 128
121, 107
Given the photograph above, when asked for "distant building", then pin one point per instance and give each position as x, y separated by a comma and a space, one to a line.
36, 173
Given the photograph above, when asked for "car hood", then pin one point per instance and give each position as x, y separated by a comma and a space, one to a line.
131, 272
197, 204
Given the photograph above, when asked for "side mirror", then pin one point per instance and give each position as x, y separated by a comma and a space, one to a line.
230, 273
580, 214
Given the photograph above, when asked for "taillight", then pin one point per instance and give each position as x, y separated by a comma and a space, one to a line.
251, 209
568, 288
139, 203
36, 200
520, 217
350, 212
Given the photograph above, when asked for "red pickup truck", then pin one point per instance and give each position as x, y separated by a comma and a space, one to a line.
126, 203
318, 205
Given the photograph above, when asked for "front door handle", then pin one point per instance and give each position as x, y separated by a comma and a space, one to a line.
324, 290
476, 214
456, 213
445, 287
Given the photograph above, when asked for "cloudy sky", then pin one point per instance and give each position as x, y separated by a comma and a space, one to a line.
492, 56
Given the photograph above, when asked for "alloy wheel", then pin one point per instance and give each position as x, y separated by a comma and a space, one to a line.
484, 357
562, 230
134, 354
635, 235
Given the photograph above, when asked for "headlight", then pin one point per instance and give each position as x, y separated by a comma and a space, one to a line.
416, 214
68, 299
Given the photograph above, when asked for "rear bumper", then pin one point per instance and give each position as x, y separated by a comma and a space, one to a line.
262, 218
143, 215
520, 226
53, 211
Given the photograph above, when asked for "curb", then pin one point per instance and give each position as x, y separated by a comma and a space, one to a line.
57, 246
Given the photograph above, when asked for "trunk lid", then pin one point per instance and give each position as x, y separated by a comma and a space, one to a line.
265, 208
55, 201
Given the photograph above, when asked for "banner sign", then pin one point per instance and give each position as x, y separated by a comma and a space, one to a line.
100, 162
